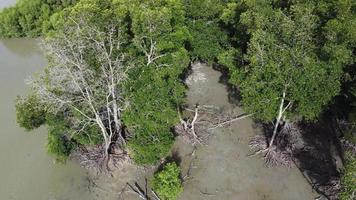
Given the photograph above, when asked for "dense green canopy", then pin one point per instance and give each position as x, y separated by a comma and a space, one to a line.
285, 53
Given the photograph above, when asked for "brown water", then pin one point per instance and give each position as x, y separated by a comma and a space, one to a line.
26, 171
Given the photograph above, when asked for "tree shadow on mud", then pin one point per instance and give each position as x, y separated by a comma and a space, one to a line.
320, 157
317, 153
234, 95
174, 157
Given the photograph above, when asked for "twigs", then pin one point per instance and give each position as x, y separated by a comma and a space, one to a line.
203, 118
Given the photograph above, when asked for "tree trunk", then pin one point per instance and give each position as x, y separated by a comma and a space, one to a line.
118, 125
278, 119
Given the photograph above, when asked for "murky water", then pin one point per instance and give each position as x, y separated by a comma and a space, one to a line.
26, 171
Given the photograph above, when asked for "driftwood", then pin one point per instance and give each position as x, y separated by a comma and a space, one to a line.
243, 116
143, 193
189, 171
204, 118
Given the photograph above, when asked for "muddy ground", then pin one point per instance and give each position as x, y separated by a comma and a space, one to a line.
221, 167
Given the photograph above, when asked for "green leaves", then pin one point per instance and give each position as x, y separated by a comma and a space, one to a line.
155, 88
207, 38
30, 18
30, 113
348, 178
283, 52
167, 183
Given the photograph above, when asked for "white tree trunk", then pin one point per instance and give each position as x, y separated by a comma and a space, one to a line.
279, 117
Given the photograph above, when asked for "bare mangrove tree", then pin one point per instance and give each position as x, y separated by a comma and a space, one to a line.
86, 71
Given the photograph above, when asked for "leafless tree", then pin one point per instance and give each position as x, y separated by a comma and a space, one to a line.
86, 71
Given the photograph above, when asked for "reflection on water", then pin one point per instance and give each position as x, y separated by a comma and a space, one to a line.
26, 171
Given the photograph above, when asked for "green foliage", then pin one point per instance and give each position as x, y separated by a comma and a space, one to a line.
167, 182
155, 89
297, 46
30, 18
207, 38
283, 54
30, 113
59, 143
348, 179
155, 94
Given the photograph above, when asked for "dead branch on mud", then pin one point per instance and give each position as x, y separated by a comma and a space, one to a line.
197, 124
243, 116
139, 191
142, 193
189, 171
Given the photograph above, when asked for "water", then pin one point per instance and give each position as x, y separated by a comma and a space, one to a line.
26, 171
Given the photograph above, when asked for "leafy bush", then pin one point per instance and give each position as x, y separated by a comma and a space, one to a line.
348, 179
207, 40
207, 37
58, 144
154, 99
30, 113
167, 182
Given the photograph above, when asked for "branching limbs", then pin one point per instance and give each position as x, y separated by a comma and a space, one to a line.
87, 69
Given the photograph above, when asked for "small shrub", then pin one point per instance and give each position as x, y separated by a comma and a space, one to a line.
30, 113
59, 144
167, 182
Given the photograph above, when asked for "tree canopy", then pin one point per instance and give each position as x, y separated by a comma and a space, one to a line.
30, 18
284, 55
116, 67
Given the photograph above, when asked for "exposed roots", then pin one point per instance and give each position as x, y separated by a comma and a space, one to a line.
273, 156
278, 157
281, 153
94, 158
258, 143
331, 189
